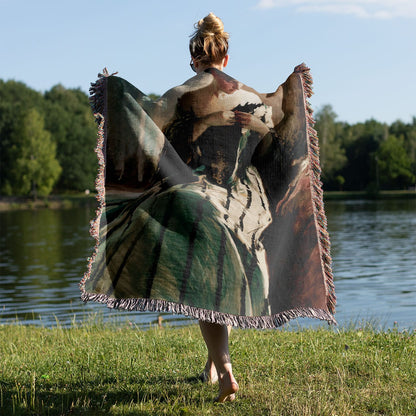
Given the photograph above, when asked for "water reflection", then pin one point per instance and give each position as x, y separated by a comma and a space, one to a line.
43, 256
374, 255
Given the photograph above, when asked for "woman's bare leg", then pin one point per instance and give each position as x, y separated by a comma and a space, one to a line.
216, 339
210, 374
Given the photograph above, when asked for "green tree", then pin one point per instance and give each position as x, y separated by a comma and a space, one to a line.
361, 143
408, 133
35, 168
394, 164
16, 92
7, 125
153, 96
332, 154
70, 120
15, 99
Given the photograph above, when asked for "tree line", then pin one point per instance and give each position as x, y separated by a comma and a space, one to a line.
369, 156
47, 140
47, 143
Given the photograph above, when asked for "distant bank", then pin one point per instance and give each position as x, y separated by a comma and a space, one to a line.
66, 201
62, 201
343, 195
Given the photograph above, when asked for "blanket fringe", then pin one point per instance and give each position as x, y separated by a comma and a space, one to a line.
255, 322
316, 187
98, 104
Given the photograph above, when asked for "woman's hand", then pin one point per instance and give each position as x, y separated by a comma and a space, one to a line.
220, 118
251, 122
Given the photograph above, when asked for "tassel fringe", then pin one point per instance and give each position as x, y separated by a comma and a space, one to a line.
98, 105
316, 188
257, 322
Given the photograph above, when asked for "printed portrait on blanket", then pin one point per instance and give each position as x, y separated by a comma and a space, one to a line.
212, 196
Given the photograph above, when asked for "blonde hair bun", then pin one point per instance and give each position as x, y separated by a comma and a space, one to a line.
211, 25
209, 42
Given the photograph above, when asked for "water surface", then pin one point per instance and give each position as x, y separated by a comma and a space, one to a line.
43, 257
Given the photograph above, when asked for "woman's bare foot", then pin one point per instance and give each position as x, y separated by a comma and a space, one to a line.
216, 339
209, 375
228, 388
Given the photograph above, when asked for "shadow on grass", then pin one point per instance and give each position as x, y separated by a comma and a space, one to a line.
101, 396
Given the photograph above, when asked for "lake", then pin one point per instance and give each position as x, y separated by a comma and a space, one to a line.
43, 257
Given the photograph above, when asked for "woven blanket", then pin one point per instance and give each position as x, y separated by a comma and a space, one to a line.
210, 202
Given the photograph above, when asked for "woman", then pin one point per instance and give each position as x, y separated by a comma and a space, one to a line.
209, 49
220, 198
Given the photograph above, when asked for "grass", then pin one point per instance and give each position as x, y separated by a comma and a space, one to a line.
104, 369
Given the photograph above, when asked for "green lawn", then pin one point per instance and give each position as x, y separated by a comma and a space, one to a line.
122, 370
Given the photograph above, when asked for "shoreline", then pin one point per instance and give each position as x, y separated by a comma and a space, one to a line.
67, 201
348, 195
58, 201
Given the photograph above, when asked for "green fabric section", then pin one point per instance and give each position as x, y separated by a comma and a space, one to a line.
139, 228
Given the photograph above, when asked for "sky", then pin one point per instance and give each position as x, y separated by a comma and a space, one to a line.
361, 53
